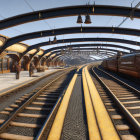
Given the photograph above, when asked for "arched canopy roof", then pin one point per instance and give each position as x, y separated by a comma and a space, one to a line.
71, 30
91, 49
13, 56
58, 54
18, 47
83, 40
69, 11
52, 16
97, 46
2, 40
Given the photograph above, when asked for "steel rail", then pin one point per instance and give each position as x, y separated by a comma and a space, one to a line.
121, 82
134, 123
42, 130
7, 122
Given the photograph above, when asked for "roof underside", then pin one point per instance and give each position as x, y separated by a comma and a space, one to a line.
101, 17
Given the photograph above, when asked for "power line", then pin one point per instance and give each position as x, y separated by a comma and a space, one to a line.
132, 1
47, 24
12, 28
17, 30
123, 21
29, 5
131, 13
109, 20
2, 16
34, 10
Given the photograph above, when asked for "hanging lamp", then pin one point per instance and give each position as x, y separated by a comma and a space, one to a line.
50, 41
87, 20
79, 19
55, 39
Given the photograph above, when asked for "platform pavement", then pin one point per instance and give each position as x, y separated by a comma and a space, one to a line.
9, 81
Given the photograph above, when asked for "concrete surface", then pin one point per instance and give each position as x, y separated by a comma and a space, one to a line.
8, 80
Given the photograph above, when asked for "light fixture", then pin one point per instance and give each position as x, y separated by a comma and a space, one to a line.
97, 50
50, 41
55, 39
79, 19
81, 28
87, 20
113, 29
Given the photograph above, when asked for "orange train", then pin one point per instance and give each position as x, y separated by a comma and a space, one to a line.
127, 64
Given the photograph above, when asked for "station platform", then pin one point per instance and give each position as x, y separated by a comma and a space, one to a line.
9, 81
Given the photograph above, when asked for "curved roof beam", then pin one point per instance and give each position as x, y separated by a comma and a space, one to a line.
2, 40
81, 45
56, 58
69, 11
101, 52
71, 30
105, 49
83, 40
107, 53
84, 45
58, 49
60, 55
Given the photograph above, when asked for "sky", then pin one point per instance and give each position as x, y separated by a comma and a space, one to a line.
9, 8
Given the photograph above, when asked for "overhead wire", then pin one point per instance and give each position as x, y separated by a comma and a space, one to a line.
125, 19
132, 1
133, 9
2, 16
30, 6
11, 28
109, 21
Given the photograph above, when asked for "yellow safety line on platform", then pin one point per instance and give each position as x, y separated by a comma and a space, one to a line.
108, 132
57, 126
91, 119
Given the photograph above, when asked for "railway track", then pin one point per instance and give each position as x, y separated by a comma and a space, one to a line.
86, 120
35, 110
78, 111
134, 82
8, 97
122, 103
